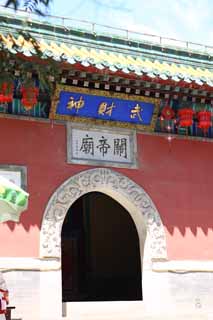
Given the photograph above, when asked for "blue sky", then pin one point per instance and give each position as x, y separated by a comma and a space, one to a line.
181, 19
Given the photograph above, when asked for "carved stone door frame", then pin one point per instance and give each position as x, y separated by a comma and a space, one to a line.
131, 196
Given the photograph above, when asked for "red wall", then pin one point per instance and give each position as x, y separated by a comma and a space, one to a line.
178, 178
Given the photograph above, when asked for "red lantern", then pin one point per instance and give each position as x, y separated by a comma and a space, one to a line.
6, 92
2, 98
29, 97
186, 117
167, 113
204, 120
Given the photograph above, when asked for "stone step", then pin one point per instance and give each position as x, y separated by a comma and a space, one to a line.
126, 311
126, 317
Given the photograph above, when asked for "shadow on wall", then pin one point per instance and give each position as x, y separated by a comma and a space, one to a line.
177, 177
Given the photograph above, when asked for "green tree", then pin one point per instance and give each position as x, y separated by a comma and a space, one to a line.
25, 67
36, 6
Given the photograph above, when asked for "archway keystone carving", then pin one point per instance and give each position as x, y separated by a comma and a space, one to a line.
112, 183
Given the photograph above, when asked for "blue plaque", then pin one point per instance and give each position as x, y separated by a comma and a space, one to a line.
80, 104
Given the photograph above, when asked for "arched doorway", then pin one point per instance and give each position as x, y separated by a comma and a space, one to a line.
131, 196
100, 251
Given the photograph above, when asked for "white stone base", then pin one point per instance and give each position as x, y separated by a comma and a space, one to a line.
35, 294
180, 293
186, 293
125, 311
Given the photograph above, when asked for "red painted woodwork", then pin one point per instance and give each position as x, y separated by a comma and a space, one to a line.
172, 173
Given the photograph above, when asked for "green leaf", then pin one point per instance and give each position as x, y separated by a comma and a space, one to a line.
14, 3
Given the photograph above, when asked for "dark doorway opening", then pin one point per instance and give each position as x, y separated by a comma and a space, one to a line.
100, 252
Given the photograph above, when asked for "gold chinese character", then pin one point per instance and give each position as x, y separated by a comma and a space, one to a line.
75, 104
135, 112
102, 108
105, 109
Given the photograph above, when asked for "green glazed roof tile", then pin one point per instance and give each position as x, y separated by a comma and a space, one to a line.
77, 46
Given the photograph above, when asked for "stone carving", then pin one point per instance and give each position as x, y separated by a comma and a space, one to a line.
99, 179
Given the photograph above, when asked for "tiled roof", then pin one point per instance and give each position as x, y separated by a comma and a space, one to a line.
101, 52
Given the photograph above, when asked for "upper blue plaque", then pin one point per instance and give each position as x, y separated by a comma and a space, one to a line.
79, 104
